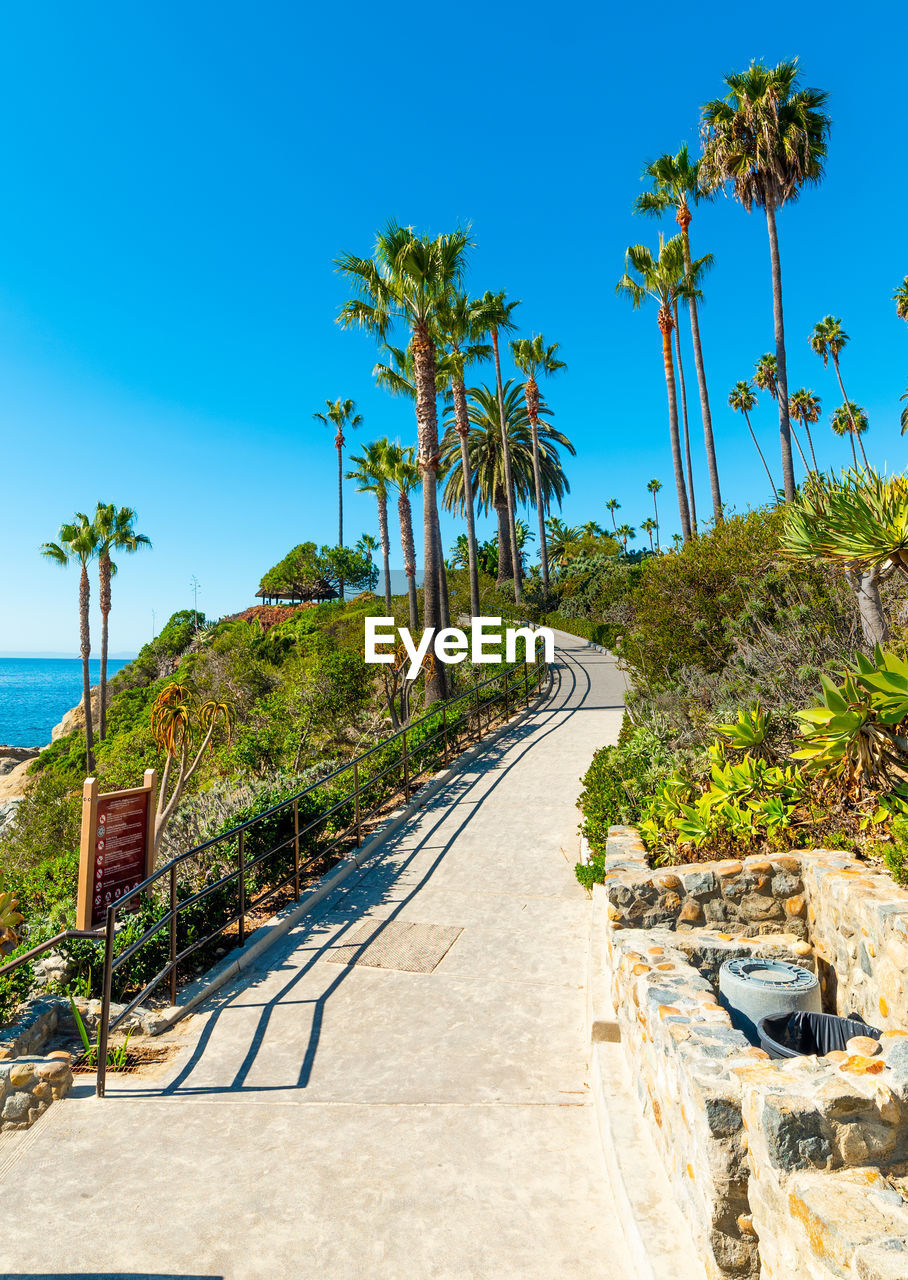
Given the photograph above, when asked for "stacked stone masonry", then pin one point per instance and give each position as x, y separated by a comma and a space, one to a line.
784, 1169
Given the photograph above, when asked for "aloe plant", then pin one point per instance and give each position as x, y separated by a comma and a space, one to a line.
10, 918
748, 732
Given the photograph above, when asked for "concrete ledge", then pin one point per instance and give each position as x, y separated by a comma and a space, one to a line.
656, 1234
283, 921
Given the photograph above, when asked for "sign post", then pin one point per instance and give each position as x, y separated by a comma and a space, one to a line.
117, 846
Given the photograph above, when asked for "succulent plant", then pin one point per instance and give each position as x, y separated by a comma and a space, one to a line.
9, 916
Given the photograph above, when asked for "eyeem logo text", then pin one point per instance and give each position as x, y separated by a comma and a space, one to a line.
451, 644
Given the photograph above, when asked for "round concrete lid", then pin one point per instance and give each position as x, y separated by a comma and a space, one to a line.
771, 973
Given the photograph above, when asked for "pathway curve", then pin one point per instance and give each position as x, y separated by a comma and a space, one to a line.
340, 1120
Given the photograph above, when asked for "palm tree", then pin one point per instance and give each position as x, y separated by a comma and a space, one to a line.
830, 339
559, 537
766, 377
403, 473
685, 426
116, 532
371, 473
767, 137
366, 545
532, 356
460, 326
592, 529
850, 418
649, 526
78, 542
677, 184
900, 298
487, 461
340, 414
663, 278
405, 282
903, 416
611, 506
497, 313
742, 399
654, 486
804, 407
626, 531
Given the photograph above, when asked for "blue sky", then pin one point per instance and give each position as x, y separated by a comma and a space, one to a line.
177, 179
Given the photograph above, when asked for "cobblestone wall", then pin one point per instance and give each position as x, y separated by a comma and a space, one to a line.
29, 1085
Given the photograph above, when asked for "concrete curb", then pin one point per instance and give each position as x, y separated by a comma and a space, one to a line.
657, 1236
283, 921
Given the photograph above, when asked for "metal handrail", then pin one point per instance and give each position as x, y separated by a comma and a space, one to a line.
407, 765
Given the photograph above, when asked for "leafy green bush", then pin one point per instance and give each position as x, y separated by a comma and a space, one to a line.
617, 781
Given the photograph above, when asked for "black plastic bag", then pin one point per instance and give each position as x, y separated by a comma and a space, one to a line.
794, 1035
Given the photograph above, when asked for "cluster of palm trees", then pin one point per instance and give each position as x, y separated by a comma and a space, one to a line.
496, 448
83, 540
765, 139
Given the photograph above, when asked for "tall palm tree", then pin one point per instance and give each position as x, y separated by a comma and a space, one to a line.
487, 460
626, 531
533, 357
592, 529
677, 184
654, 486
341, 415
766, 377
742, 399
404, 283
804, 407
460, 326
78, 543
366, 544
900, 298
497, 313
649, 526
116, 532
663, 278
685, 426
851, 419
403, 474
768, 138
612, 505
370, 471
830, 339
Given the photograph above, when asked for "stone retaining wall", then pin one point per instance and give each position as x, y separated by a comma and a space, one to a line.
792, 1165
29, 1085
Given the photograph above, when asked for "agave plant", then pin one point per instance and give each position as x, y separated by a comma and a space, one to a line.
10, 918
859, 522
748, 732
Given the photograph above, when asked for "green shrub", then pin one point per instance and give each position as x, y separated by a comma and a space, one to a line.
617, 781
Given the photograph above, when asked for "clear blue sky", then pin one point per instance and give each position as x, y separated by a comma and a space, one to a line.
177, 178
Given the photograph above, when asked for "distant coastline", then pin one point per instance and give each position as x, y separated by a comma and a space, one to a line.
36, 693
56, 653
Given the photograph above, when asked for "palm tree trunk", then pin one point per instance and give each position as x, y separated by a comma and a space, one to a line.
85, 646
409, 550
810, 445
656, 513
782, 377
508, 478
463, 430
339, 445
531, 394
854, 425
711, 464
762, 459
794, 436
443, 596
385, 546
105, 602
505, 565
690, 470
427, 437
665, 325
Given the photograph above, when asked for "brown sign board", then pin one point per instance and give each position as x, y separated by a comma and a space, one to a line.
117, 847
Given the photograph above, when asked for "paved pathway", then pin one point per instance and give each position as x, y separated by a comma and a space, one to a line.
334, 1120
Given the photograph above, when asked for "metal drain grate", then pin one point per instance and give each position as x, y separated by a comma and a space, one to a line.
397, 944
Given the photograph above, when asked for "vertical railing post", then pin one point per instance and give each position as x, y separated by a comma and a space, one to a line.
359, 833
478, 718
506, 673
406, 767
173, 933
241, 861
526, 683
296, 846
444, 730
104, 1025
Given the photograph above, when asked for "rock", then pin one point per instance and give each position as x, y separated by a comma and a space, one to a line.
15, 1108
691, 913
863, 1044
699, 884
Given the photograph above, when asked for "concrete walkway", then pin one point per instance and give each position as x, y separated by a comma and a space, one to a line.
339, 1120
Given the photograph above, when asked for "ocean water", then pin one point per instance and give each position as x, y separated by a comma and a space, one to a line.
35, 694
